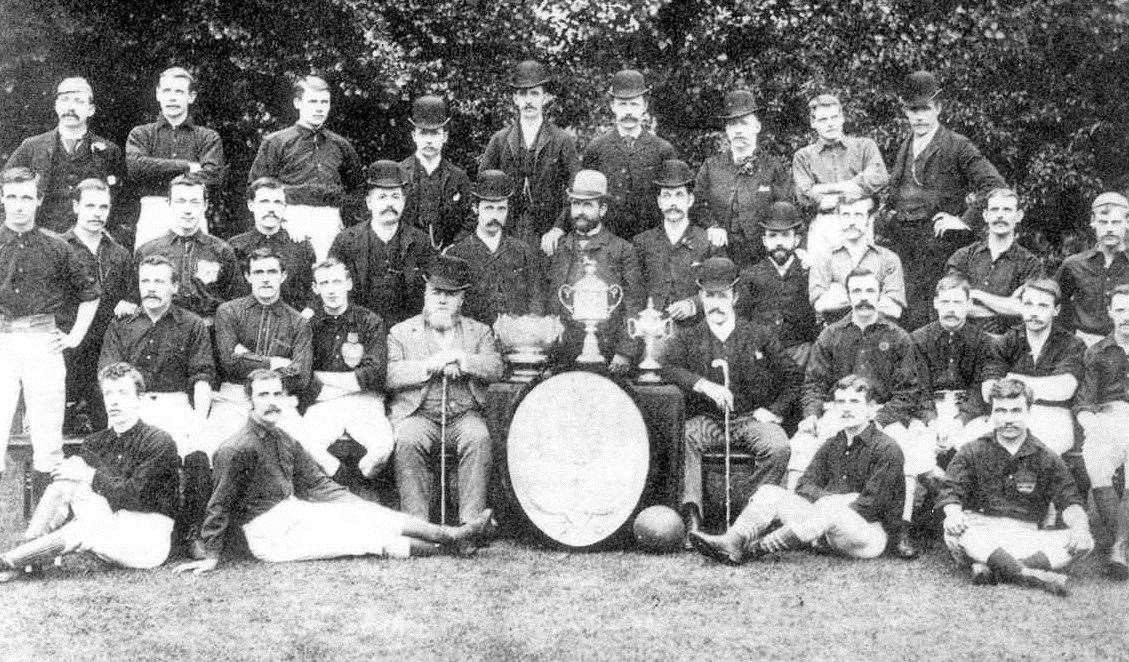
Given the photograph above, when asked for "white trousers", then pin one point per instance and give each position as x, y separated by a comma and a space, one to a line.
318, 224
297, 530
172, 413
844, 531
1107, 443
28, 361
1022, 540
155, 220
124, 537
361, 415
1089, 338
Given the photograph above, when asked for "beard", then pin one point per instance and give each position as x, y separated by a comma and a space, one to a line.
780, 255
439, 319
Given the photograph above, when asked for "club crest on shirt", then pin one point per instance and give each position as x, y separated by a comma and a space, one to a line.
884, 346
1025, 482
352, 350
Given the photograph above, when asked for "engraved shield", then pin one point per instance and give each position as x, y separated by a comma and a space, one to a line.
578, 456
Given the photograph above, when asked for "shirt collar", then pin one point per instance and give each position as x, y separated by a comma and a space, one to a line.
635, 135
830, 144
429, 166
128, 434
864, 438
187, 123
309, 130
725, 329
8, 233
679, 230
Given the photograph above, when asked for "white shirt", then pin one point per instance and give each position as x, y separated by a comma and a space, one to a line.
919, 144
632, 135
529, 131
722, 331
492, 242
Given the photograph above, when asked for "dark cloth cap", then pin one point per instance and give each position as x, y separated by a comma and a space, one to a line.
447, 272
738, 103
782, 216
628, 84
385, 174
673, 173
527, 74
492, 185
919, 89
429, 112
717, 273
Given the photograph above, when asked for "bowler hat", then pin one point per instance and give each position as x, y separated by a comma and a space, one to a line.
1110, 198
588, 184
673, 173
717, 273
385, 174
738, 103
527, 74
628, 84
919, 89
492, 185
782, 216
429, 112
74, 84
447, 272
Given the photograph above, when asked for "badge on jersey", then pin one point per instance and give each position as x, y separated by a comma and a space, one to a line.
352, 350
207, 271
1024, 482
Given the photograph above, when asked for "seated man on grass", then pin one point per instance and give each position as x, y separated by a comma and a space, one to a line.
116, 499
848, 501
290, 510
996, 493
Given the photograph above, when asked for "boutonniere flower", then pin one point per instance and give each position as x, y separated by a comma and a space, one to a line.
111, 180
884, 346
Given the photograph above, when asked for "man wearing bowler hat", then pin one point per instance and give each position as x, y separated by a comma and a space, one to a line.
386, 257
630, 157
538, 156
439, 366
736, 189
616, 264
759, 387
935, 173
508, 274
775, 288
68, 154
671, 253
437, 200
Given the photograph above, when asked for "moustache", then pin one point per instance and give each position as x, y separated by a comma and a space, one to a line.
864, 304
273, 410
389, 210
628, 118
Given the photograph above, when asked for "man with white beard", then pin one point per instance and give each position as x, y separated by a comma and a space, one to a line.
439, 365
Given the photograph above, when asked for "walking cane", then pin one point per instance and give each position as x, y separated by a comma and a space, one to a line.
443, 453
724, 365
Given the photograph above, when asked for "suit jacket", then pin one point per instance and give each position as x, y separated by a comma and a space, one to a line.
669, 270
38, 153
950, 168
387, 278
616, 264
540, 201
454, 201
631, 170
410, 344
761, 373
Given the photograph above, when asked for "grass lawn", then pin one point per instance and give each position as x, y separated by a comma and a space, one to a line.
516, 602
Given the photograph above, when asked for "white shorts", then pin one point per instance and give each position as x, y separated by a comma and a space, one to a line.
297, 530
318, 224
1107, 443
172, 413
361, 415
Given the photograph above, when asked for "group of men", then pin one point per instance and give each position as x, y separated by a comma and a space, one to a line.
241, 361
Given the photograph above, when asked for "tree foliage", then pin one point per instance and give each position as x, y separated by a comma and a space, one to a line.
1038, 84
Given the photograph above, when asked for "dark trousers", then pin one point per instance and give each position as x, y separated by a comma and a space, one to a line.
82, 378
923, 262
417, 445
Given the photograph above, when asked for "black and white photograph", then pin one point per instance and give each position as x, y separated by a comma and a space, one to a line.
564, 330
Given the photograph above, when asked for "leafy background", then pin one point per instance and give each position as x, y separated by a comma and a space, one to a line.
1040, 86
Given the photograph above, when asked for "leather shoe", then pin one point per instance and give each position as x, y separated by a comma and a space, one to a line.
982, 575
728, 548
905, 547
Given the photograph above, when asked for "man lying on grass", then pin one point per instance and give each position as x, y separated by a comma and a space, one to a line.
847, 501
116, 499
290, 510
996, 493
